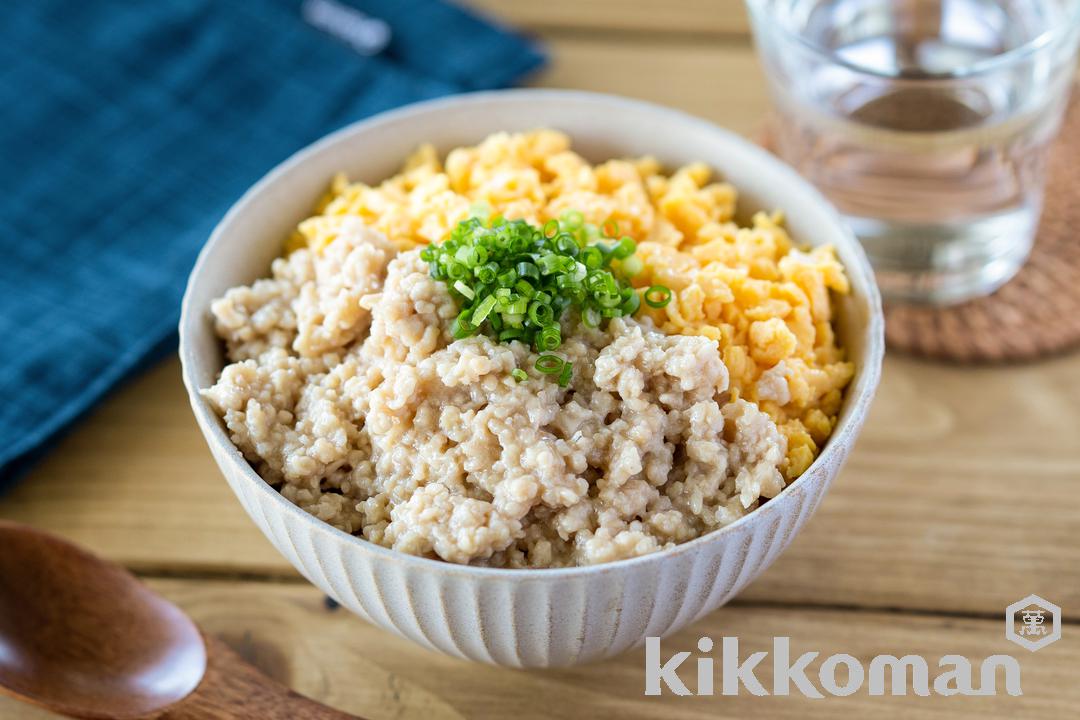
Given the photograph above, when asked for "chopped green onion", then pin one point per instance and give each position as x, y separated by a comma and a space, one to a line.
601, 282
457, 270
565, 282
591, 257
511, 334
567, 245
515, 281
550, 264
605, 250
549, 364
483, 309
573, 219
631, 266
607, 300
461, 328
528, 270
541, 313
466, 256
518, 307
549, 338
566, 374
625, 248
487, 273
657, 296
519, 374
464, 289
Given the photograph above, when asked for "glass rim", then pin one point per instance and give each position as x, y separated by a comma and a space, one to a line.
1044, 40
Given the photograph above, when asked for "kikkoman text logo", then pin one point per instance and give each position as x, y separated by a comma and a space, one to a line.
1032, 623
838, 675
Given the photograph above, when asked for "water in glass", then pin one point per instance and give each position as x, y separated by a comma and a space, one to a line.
927, 123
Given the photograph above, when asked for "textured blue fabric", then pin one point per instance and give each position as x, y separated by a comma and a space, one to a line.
129, 128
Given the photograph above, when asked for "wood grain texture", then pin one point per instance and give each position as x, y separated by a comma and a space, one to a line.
233, 689
721, 82
605, 16
331, 655
960, 497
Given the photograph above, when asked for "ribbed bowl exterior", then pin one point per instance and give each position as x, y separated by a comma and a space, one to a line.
525, 618
535, 618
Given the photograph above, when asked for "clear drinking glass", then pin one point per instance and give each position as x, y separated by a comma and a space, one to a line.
927, 123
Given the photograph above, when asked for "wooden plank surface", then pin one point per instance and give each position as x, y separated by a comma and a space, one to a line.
329, 654
722, 82
959, 499
604, 16
959, 495
962, 482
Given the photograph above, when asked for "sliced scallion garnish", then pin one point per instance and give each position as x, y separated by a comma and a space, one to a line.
566, 374
657, 296
514, 281
549, 364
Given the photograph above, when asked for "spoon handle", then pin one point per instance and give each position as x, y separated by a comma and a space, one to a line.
233, 689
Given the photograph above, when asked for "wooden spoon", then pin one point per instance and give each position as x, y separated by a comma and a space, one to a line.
82, 637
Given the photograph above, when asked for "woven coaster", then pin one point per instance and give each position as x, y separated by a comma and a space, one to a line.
1035, 314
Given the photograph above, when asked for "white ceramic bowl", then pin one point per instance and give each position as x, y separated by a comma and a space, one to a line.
525, 618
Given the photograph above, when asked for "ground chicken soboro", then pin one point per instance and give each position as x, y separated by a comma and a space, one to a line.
347, 392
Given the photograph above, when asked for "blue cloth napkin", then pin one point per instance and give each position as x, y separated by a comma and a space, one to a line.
128, 128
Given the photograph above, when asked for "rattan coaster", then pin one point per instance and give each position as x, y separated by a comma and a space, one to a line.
1035, 314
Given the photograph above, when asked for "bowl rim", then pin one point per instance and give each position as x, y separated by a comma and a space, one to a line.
859, 393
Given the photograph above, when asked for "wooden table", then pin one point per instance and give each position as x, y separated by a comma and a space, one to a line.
962, 496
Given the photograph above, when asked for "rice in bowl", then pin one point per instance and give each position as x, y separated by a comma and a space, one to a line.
347, 390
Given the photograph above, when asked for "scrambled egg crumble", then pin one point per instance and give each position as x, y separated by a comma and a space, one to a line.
764, 300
